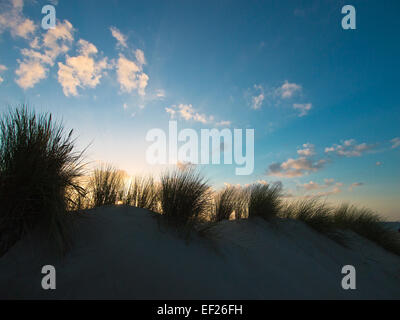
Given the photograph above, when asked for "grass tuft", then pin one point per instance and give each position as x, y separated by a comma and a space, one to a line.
184, 196
142, 193
225, 202
264, 201
316, 215
105, 186
367, 224
39, 170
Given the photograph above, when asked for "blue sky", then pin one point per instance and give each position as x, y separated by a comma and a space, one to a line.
323, 101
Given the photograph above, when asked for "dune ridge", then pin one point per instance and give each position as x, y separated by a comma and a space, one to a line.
123, 252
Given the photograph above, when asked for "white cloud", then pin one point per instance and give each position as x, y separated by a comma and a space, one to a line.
307, 151
58, 41
295, 167
86, 48
257, 99
395, 142
303, 108
130, 76
121, 39
260, 95
316, 186
378, 163
171, 111
160, 93
335, 190
82, 70
312, 186
187, 112
2, 68
41, 54
139, 54
13, 20
349, 148
29, 73
288, 90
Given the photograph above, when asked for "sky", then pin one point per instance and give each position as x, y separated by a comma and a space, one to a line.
322, 100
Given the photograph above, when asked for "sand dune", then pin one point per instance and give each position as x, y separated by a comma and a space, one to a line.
124, 253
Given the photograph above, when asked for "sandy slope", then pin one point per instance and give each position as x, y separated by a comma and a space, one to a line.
122, 252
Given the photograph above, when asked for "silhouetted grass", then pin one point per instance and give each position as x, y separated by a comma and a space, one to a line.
142, 193
317, 215
367, 224
105, 186
225, 203
38, 171
79, 200
184, 196
264, 201
241, 203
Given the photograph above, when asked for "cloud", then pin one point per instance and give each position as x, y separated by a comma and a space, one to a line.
29, 73
349, 148
303, 108
308, 150
335, 190
13, 20
288, 90
316, 186
82, 70
58, 41
160, 93
171, 111
187, 112
395, 142
139, 54
329, 182
130, 76
257, 100
121, 39
355, 184
43, 53
295, 167
260, 95
2, 68
378, 163
312, 186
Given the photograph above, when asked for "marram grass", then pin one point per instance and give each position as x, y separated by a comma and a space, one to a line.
39, 170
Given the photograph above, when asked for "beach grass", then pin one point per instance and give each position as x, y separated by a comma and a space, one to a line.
184, 196
106, 186
39, 171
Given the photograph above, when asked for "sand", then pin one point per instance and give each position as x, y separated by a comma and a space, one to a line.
124, 253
